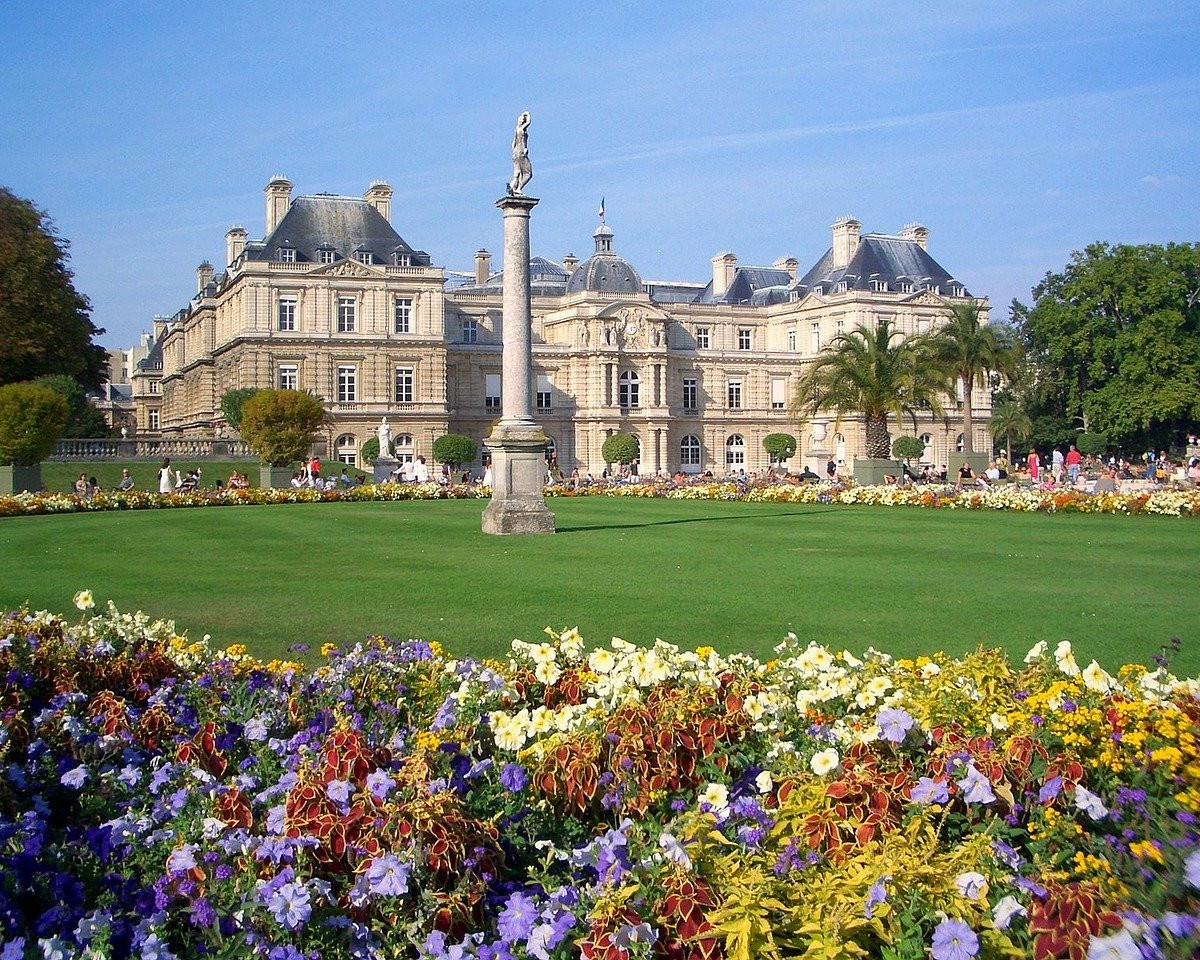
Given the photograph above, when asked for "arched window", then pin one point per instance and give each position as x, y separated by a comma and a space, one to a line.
958, 444
927, 456
404, 447
839, 448
689, 454
551, 447
628, 389
735, 451
346, 449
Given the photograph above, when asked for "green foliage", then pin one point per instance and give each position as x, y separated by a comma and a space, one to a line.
368, 453
877, 372
83, 419
281, 425
779, 446
454, 449
31, 421
1091, 444
45, 327
1010, 421
908, 448
620, 448
1116, 335
232, 402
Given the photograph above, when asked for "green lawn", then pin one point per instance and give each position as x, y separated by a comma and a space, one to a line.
737, 576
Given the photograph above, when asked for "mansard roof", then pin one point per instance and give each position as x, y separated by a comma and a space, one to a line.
879, 257
747, 284
344, 224
546, 279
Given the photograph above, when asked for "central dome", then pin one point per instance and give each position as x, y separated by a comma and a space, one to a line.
604, 271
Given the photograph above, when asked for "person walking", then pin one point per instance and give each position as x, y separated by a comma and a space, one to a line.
166, 483
1073, 460
1035, 466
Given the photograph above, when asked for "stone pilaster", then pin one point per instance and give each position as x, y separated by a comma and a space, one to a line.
517, 443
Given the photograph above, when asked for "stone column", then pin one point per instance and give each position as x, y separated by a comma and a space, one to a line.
517, 443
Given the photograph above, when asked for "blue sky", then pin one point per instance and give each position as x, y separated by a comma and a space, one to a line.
1017, 132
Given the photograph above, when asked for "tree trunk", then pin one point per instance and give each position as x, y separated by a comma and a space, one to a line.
877, 437
968, 419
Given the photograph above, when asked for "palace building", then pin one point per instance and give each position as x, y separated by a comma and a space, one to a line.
335, 301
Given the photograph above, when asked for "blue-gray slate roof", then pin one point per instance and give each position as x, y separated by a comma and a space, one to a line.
348, 225
879, 257
747, 282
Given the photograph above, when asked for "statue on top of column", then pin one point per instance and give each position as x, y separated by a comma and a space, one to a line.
522, 168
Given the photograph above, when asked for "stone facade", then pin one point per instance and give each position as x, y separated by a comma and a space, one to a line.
332, 300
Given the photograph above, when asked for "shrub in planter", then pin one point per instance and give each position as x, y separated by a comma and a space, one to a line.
779, 446
32, 418
454, 449
908, 448
620, 448
281, 425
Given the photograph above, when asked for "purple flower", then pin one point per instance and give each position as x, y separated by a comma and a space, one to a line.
256, 730
379, 784
182, 860
13, 950
976, 787
388, 876
877, 895
954, 940
513, 778
894, 724
1050, 789
291, 906
75, 778
517, 919
1120, 946
203, 914
1191, 868
338, 790
928, 790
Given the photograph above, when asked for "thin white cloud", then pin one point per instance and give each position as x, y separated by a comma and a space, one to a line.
1156, 180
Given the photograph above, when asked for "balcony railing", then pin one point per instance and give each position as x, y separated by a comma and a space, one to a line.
139, 448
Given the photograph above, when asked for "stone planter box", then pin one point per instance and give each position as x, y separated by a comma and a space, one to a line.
15, 478
871, 472
278, 477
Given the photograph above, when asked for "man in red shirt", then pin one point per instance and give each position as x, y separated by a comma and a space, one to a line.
1073, 461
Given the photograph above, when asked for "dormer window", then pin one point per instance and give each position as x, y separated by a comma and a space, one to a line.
286, 254
326, 256
879, 286
402, 259
364, 256
842, 286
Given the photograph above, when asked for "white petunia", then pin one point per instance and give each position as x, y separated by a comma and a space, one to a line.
1036, 652
1066, 659
971, 885
716, 798
1097, 679
1089, 803
1005, 910
825, 761
764, 781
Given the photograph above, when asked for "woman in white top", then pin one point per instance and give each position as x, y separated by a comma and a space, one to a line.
166, 483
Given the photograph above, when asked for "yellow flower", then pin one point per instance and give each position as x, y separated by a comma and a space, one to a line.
83, 600
236, 650
327, 649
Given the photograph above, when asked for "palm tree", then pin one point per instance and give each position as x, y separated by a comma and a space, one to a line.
1009, 420
970, 349
876, 372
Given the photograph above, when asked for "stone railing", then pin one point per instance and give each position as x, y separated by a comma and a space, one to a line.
147, 448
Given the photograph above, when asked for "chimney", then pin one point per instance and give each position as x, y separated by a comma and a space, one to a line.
379, 195
846, 231
724, 266
918, 233
570, 262
235, 243
483, 266
204, 275
787, 263
279, 195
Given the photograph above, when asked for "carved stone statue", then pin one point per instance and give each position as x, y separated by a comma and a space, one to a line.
384, 432
522, 168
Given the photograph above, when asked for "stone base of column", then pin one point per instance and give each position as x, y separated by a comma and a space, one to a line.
518, 481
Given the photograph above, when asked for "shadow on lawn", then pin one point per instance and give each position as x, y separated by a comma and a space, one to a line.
589, 528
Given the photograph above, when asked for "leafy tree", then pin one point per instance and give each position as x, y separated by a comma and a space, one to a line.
281, 425
971, 350
1009, 420
454, 449
1091, 444
45, 327
32, 417
83, 418
620, 448
369, 451
876, 372
779, 446
232, 402
908, 448
1117, 335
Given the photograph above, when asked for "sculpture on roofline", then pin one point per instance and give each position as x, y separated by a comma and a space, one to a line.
522, 168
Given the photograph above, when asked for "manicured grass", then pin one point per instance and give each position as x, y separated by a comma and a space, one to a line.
60, 477
734, 575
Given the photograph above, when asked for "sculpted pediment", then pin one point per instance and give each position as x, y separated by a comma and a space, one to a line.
346, 268
628, 325
926, 299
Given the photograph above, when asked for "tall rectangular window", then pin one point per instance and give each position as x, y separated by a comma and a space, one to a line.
347, 384
470, 330
404, 384
702, 338
840, 327
816, 338
151, 419
287, 313
404, 314
689, 393
791, 341
345, 314
543, 392
154, 386
491, 391
733, 392
743, 339
778, 393
289, 376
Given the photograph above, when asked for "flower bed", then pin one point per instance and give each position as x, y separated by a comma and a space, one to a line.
1165, 502
159, 799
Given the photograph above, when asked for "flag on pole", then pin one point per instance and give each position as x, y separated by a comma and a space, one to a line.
600, 212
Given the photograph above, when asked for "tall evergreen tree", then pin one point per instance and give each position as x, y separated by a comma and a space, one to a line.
45, 323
